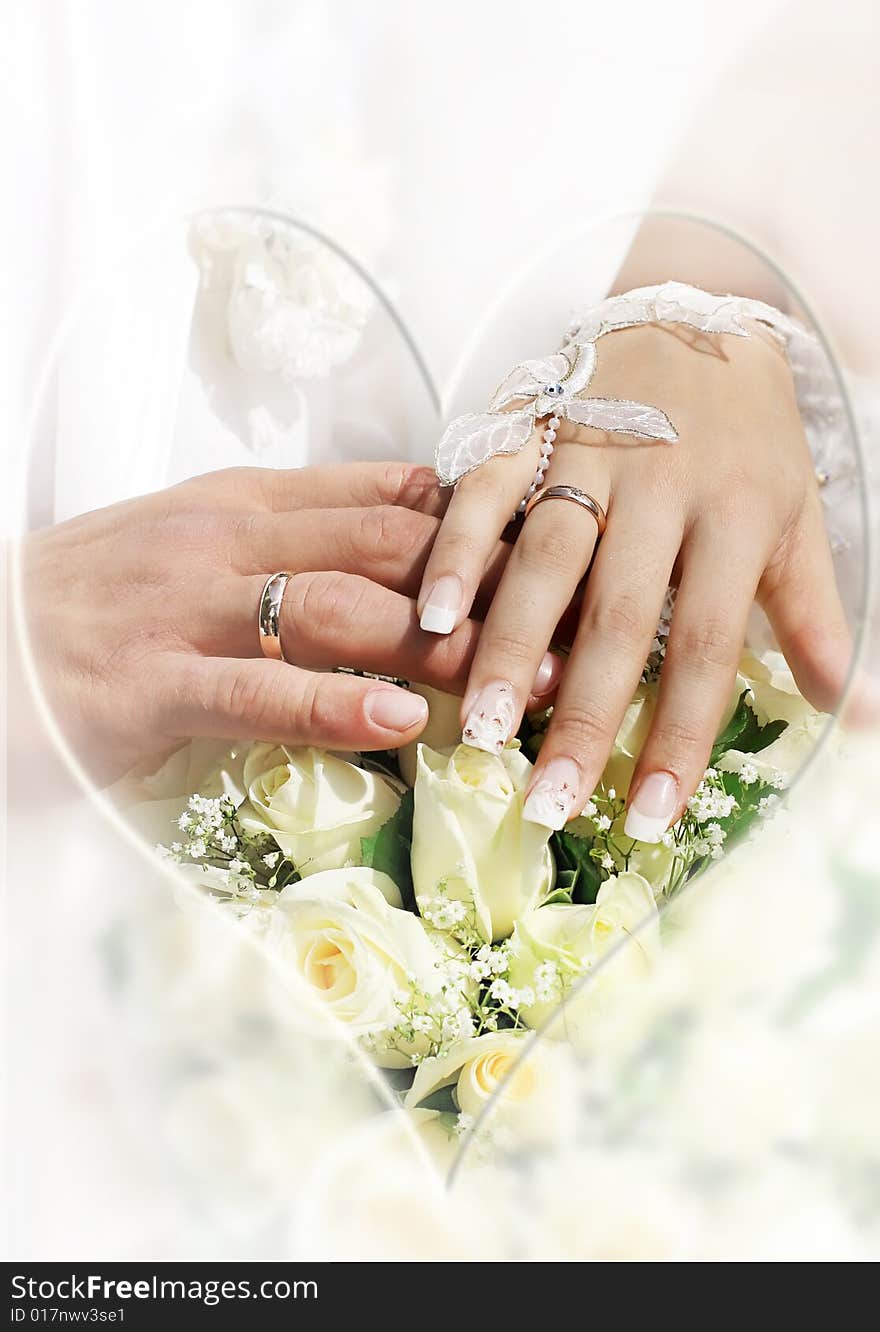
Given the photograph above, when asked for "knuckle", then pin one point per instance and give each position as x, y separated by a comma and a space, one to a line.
739, 498
385, 533
677, 737
581, 726
245, 693
508, 646
313, 707
323, 602
552, 549
415, 485
621, 618
393, 481
708, 642
374, 529
242, 533
463, 545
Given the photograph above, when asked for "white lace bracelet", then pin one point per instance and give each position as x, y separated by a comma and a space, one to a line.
552, 387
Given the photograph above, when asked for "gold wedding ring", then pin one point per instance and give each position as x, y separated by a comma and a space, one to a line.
269, 614
576, 496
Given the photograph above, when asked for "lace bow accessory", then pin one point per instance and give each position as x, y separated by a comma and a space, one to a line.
552, 387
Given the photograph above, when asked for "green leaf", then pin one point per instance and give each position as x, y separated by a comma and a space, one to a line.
442, 1100
745, 733
448, 1121
563, 888
747, 797
557, 898
389, 849
399, 1079
572, 853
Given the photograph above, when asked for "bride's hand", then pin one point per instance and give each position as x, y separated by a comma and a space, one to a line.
143, 616
729, 512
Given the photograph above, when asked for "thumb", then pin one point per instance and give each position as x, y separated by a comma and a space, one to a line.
272, 700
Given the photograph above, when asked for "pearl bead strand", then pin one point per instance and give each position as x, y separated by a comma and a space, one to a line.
546, 453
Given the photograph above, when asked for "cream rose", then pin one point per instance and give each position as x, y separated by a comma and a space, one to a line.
554, 946
470, 841
356, 949
774, 696
534, 1095
316, 806
443, 731
629, 740
634, 730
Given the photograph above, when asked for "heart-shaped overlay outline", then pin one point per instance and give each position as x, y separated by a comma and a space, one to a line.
470, 351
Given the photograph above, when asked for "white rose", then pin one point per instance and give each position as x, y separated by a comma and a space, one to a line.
554, 946
774, 696
316, 806
443, 731
785, 757
356, 949
535, 1102
630, 737
634, 730
470, 841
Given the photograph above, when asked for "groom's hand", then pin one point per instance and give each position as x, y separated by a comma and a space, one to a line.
143, 616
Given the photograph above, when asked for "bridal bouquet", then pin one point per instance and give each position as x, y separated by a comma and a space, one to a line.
439, 928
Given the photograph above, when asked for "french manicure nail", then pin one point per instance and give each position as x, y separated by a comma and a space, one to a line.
552, 799
546, 674
395, 709
443, 606
650, 812
491, 719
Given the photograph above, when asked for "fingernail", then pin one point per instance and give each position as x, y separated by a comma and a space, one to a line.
491, 719
395, 709
546, 675
552, 799
443, 606
650, 812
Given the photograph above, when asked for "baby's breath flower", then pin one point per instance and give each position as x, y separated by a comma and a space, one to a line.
603, 823
547, 980
502, 992
748, 774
